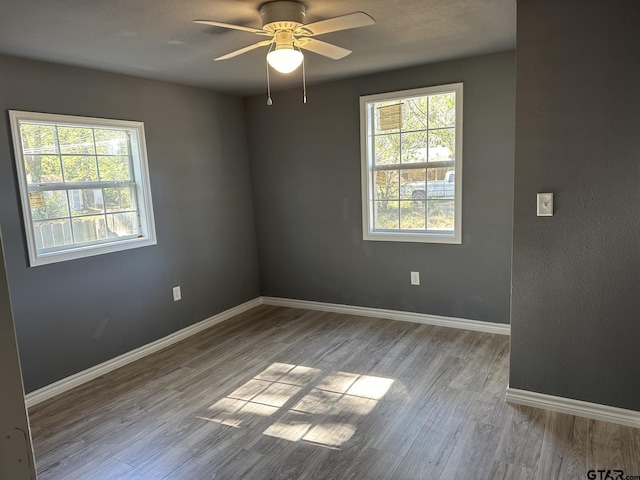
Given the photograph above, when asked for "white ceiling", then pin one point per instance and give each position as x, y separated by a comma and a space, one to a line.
157, 39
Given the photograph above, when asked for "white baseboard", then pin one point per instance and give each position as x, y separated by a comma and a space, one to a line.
79, 378
96, 371
596, 411
452, 322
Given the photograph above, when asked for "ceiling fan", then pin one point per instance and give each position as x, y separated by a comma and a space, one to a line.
283, 22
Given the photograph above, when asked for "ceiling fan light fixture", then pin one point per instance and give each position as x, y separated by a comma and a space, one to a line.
283, 23
285, 59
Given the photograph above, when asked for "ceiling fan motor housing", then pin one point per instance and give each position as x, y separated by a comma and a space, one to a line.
282, 15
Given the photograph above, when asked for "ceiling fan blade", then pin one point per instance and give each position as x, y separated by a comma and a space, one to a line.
230, 25
235, 53
335, 24
324, 48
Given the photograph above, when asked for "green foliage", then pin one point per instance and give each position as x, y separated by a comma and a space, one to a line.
411, 215
72, 154
54, 204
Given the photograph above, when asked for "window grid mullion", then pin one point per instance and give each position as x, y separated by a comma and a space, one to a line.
95, 153
57, 145
371, 161
86, 155
416, 165
58, 153
132, 177
426, 129
426, 178
129, 155
401, 134
398, 201
62, 172
71, 217
49, 187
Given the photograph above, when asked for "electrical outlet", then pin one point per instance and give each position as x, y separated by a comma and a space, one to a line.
415, 278
177, 295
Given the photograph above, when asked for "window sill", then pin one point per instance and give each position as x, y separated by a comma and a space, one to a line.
448, 238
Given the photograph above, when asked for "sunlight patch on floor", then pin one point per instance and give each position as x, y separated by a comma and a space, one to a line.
324, 416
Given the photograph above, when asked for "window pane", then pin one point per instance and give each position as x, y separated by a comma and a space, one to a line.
414, 113
114, 168
111, 142
86, 202
123, 224
42, 169
412, 184
387, 185
76, 140
412, 215
80, 169
52, 233
48, 204
387, 149
387, 117
414, 147
442, 110
441, 145
89, 229
440, 214
386, 215
444, 187
438, 173
119, 199
38, 139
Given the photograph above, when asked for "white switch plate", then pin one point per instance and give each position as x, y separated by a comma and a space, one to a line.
415, 278
545, 204
177, 295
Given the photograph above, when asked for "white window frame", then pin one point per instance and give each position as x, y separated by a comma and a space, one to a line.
368, 190
140, 170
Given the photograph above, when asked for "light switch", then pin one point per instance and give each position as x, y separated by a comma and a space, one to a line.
177, 294
545, 204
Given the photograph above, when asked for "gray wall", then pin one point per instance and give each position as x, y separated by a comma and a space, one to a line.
16, 453
305, 166
72, 315
576, 275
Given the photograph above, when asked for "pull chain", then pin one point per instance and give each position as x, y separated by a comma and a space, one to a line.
304, 83
304, 79
269, 101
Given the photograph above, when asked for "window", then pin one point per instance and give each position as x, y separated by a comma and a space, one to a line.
84, 184
412, 165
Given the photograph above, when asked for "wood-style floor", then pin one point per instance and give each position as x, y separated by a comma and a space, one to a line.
279, 393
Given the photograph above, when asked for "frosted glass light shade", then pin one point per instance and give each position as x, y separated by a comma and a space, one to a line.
285, 60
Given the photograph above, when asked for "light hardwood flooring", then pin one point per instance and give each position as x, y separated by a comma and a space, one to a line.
280, 393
